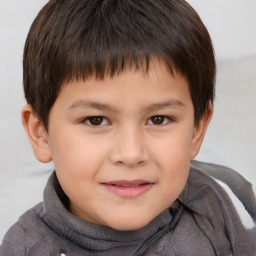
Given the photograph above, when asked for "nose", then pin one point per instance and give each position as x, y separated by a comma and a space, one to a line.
129, 148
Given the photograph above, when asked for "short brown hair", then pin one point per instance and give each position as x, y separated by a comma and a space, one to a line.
78, 39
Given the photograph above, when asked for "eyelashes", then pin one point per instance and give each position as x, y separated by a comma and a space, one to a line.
159, 120
98, 121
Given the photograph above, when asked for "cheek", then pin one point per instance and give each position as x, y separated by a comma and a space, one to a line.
172, 156
174, 149
78, 160
76, 155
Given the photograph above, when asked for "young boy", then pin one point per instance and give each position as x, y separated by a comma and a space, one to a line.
120, 94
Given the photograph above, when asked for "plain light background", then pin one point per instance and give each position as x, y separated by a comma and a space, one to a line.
231, 138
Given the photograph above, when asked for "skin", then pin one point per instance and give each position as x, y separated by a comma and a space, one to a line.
144, 130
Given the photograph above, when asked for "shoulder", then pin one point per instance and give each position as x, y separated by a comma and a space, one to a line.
20, 235
14, 241
235, 187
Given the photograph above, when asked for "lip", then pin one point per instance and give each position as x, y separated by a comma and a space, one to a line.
128, 189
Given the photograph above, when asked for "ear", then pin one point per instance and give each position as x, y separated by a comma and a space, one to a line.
37, 134
199, 132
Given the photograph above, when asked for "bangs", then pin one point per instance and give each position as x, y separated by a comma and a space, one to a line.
99, 66
80, 39
111, 41
110, 63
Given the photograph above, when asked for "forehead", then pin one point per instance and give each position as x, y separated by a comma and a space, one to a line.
157, 85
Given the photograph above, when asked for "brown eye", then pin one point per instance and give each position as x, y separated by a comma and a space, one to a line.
158, 120
96, 121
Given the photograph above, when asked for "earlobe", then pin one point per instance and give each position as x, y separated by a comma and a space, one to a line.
199, 132
37, 134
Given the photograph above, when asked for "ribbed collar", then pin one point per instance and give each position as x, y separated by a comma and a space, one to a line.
100, 238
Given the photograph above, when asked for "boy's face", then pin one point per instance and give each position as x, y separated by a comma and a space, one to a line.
122, 146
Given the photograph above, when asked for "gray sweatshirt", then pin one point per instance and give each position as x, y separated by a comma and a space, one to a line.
214, 215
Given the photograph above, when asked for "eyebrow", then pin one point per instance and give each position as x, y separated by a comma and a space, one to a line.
169, 103
109, 107
92, 105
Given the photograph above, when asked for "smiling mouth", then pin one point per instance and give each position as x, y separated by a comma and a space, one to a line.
128, 189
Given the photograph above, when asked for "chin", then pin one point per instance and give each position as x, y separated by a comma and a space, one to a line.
129, 225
